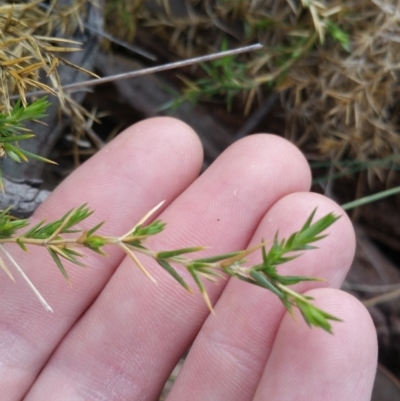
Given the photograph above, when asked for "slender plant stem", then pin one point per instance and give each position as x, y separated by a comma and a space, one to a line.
151, 70
371, 198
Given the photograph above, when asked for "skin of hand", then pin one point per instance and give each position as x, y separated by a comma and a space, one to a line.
115, 335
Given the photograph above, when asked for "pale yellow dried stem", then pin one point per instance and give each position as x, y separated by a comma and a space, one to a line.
5, 268
137, 261
25, 277
142, 220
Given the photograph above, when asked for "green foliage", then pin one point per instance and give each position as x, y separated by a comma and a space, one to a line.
338, 35
121, 17
152, 229
61, 226
315, 316
9, 226
265, 274
371, 198
224, 79
289, 33
121, 8
12, 123
348, 167
62, 248
13, 130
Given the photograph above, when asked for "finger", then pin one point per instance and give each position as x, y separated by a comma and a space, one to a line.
135, 332
237, 341
151, 161
314, 365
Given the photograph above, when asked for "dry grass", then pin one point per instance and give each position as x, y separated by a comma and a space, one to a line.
29, 52
120, 18
335, 63
349, 100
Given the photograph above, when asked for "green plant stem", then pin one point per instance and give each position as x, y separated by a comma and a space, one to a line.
51, 237
371, 198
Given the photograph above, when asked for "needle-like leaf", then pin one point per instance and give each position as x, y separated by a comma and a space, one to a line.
265, 274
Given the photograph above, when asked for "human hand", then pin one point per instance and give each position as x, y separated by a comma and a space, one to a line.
115, 335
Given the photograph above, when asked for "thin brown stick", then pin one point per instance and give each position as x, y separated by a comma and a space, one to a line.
77, 86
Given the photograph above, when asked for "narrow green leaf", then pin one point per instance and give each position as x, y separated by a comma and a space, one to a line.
286, 259
290, 241
218, 258
276, 244
33, 229
200, 265
22, 245
290, 280
15, 138
59, 264
13, 156
71, 256
177, 252
309, 220
14, 152
73, 252
36, 157
202, 289
248, 280
264, 253
318, 227
314, 316
308, 247
264, 282
153, 228
46, 231
94, 229
165, 265
206, 270
371, 198
80, 214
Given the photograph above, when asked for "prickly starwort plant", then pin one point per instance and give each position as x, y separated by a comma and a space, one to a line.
65, 242
26, 50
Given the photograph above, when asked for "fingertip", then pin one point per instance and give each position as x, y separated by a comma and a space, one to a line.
334, 253
288, 156
319, 365
356, 323
350, 353
340, 244
166, 129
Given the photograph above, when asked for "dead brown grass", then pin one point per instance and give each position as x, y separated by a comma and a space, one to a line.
29, 52
345, 100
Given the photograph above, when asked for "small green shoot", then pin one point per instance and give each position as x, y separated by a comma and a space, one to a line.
13, 130
62, 239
